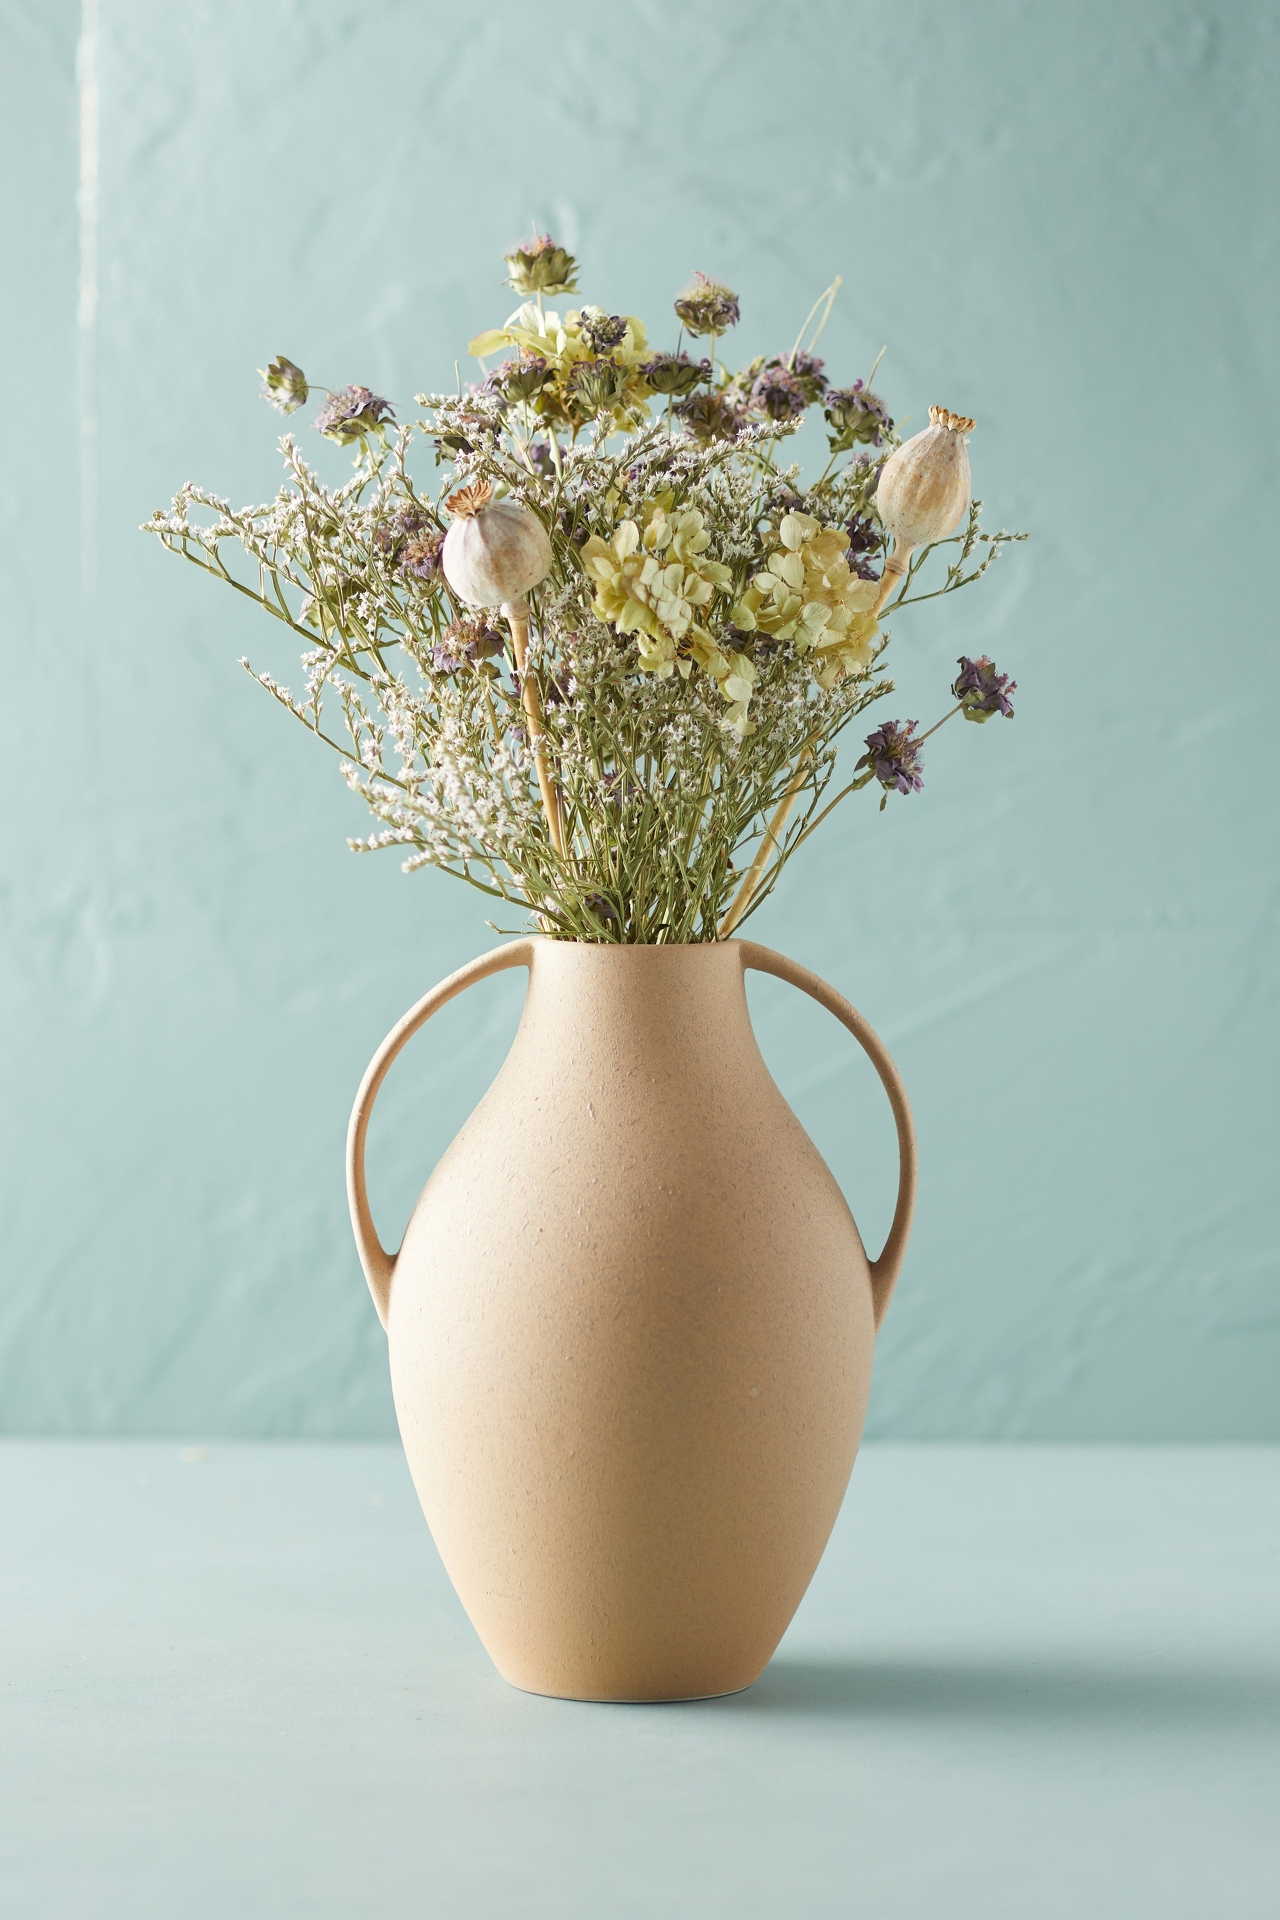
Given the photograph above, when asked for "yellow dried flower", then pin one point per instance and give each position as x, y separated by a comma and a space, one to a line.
654, 580
808, 594
737, 686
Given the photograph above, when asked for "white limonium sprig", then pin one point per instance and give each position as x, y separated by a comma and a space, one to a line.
630, 743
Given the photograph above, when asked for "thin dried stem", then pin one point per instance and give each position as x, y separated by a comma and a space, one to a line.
517, 617
771, 841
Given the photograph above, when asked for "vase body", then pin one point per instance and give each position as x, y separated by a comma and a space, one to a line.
631, 1330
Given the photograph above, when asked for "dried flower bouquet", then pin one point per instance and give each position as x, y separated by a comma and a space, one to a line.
602, 670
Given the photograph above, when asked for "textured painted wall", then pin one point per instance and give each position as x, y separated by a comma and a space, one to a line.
1061, 221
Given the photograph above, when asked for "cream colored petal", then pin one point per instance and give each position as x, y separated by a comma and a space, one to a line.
795, 528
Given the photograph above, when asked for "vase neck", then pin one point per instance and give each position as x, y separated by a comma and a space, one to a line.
641, 1009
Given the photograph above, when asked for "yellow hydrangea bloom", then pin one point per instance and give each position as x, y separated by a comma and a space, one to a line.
654, 580
808, 593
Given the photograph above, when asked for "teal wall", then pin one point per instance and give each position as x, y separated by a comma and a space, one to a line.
1062, 220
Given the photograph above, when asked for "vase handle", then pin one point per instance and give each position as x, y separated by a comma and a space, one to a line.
378, 1264
884, 1271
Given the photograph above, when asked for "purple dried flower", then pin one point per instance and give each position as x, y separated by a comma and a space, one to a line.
981, 690
855, 414
420, 559
465, 645
602, 331
865, 540
675, 373
709, 416
707, 306
808, 370
444, 658
540, 457
894, 757
779, 393
412, 541
390, 535
352, 414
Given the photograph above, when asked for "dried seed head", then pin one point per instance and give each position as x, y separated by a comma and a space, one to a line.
495, 550
710, 416
856, 416
595, 386
602, 331
286, 385
707, 306
352, 414
469, 501
538, 265
957, 422
675, 373
523, 379
923, 489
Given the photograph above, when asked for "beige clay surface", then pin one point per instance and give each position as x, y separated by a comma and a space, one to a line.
631, 1325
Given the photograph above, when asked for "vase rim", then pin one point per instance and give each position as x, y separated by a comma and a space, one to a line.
637, 946
700, 955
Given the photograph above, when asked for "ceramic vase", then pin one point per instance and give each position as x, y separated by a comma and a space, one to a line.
631, 1324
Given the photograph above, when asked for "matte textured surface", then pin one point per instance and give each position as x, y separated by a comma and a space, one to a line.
631, 1325
1025, 1682
1061, 220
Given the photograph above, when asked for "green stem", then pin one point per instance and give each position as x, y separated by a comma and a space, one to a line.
854, 786
940, 723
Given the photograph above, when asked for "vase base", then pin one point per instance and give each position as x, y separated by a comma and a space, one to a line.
633, 1699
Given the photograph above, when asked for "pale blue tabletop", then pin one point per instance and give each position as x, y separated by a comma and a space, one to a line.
1026, 1684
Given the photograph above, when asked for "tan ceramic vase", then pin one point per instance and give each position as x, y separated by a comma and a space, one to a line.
631, 1324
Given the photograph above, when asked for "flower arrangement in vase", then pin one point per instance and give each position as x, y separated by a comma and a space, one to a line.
601, 668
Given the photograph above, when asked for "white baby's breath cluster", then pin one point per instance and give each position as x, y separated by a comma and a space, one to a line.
707, 630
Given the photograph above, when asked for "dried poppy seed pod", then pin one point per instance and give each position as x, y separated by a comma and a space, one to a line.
493, 553
495, 550
923, 490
